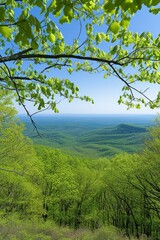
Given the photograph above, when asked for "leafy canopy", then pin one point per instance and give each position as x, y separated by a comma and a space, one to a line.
20, 172
34, 47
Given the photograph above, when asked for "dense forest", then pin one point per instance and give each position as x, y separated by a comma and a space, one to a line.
46, 194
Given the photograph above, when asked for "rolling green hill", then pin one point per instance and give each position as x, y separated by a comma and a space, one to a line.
109, 141
89, 138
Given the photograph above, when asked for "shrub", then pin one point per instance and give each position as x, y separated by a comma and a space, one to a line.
108, 233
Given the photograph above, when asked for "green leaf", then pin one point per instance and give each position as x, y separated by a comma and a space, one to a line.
52, 37
34, 44
109, 7
126, 4
70, 70
155, 65
64, 19
155, 10
68, 11
6, 31
125, 23
115, 27
138, 106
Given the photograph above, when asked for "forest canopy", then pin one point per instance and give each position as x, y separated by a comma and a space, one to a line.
41, 185
34, 45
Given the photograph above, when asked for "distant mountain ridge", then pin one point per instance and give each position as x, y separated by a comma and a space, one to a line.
128, 128
121, 129
116, 139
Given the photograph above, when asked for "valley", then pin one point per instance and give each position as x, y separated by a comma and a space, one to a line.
91, 135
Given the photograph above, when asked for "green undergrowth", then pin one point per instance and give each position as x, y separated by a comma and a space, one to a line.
15, 229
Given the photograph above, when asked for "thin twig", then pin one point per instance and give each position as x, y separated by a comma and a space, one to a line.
20, 100
129, 86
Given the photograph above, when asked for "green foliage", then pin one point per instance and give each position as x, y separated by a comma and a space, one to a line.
39, 46
118, 191
107, 233
25, 230
43, 188
19, 175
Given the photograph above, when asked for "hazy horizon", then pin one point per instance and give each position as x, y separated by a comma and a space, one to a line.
92, 114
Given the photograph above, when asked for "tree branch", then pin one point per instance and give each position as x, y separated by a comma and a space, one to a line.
20, 55
20, 100
129, 86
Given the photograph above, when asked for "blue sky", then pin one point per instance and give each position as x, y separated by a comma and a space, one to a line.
106, 92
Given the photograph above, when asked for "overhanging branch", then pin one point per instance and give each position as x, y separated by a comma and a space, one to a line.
20, 99
20, 56
131, 88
